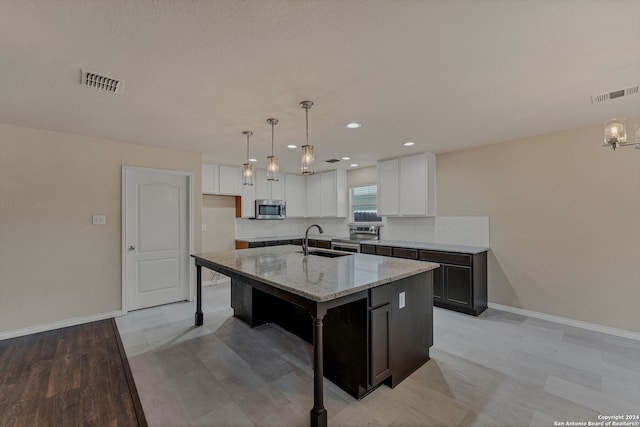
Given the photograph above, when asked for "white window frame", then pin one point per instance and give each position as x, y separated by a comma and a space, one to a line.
351, 211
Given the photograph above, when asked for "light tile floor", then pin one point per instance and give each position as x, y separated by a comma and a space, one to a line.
498, 369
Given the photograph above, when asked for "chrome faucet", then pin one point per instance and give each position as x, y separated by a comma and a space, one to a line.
305, 242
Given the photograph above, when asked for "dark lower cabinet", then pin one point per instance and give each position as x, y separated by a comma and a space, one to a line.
438, 285
458, 280
459, 284
242, 244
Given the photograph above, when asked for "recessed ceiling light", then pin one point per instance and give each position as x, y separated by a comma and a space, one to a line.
354, 125
409, 143
353, 165
346, 158
292, 146
253, 160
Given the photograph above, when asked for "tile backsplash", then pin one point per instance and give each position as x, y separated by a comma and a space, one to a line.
453, 230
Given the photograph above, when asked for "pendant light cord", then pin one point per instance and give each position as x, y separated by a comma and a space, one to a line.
272, 126
306, 109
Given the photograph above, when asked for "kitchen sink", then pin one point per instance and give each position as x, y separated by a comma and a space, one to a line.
327, 254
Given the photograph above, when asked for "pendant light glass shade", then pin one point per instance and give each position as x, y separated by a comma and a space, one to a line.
247, 168
307, 164
272, 161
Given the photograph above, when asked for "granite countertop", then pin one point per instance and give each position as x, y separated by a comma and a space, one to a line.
296, 236
428, 246
315, 277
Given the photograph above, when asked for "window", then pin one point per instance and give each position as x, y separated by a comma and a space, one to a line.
363, 203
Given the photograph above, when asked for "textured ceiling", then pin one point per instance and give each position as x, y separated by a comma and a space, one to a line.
445, 74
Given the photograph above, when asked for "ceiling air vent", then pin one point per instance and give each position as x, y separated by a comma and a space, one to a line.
332, 160
102, 82
613, 95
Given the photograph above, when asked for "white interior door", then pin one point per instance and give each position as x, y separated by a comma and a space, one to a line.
156, 237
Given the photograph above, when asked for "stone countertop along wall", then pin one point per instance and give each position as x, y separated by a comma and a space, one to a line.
428, 246
314, 277
295, 236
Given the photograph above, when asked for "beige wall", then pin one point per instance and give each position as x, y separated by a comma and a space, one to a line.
54, 264
564, 222
218, 214
362, 176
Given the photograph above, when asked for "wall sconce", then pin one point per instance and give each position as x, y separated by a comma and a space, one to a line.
615, 134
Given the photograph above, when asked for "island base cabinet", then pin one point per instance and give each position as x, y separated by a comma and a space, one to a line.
367, 342
411, 333
380, 366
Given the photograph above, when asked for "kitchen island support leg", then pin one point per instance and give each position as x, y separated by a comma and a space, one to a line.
199, 315
318, 412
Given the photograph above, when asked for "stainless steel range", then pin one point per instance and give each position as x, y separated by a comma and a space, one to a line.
357, 234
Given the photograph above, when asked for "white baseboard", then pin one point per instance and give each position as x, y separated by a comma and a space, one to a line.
57, 325
566, 321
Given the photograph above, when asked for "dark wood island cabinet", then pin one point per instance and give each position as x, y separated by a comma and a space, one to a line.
370, 319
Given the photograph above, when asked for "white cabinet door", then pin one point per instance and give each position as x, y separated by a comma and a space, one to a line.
210, 183
230, 180
413, 185
294, 195
328, 199
277, 188
248, 201
261, 184
333, 193
313, 195
388, 175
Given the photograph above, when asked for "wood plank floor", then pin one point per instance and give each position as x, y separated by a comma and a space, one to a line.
76, 376
499, 369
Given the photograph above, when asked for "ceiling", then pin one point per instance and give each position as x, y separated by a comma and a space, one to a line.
446, 74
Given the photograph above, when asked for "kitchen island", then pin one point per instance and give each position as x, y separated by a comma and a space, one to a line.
376, 313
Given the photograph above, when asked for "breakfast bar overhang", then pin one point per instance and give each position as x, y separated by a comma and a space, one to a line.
383, 308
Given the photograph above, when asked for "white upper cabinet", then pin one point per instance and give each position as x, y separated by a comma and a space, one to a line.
268, 189
407, 186
277, 187
388, 184
333, 193
210, 179
327, 194
230, 180
294, 195
313, 195
261, 184
248, 201
320, 195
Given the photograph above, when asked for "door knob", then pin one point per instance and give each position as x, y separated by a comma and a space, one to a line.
131, 247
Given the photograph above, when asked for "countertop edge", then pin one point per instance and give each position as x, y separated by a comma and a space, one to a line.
443, 247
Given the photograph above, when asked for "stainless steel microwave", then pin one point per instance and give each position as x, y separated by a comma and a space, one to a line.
271, 209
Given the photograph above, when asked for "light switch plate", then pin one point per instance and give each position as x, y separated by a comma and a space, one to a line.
204, 227
99, 219
402, 301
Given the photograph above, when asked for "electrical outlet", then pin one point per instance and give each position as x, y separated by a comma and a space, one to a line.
402, 301
99, 220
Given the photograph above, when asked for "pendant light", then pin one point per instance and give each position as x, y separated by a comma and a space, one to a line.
307, 165
272, 161
247, 168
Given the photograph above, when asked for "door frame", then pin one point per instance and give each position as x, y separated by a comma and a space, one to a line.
190, 228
